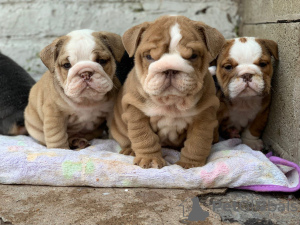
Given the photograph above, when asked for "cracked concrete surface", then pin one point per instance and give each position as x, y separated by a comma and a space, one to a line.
25, 204
85, 205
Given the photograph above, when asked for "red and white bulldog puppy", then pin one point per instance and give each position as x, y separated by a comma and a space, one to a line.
244, 72
169, 97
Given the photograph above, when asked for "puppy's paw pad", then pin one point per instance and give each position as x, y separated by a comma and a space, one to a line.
254, 144
149, 162
188, 165
78, 143
127, 151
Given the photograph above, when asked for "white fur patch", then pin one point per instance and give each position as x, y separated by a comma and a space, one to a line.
80, 46
212, 70
86, 119
170, 128
243, 111
175, 38
253, 142
245, 52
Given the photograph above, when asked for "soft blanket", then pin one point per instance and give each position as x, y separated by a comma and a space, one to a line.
230, 164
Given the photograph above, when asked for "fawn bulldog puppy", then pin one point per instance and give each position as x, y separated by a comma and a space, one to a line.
76, 96
244, 71
169, 97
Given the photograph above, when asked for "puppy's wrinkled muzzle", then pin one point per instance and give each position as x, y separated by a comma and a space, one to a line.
87, 75
248, 82
171, 70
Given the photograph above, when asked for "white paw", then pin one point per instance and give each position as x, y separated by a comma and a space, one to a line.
254, 144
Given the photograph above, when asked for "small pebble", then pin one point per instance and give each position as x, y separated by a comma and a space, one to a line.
126, 189
105, 193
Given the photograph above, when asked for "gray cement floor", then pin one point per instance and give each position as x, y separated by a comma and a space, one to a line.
24, 204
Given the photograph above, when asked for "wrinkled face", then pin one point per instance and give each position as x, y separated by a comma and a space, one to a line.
84, 66
244, 68
171, 60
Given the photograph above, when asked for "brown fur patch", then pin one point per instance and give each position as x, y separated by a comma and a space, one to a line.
243, 39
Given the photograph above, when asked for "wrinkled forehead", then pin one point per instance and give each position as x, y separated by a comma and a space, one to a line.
245, 50
82, 45
170, 32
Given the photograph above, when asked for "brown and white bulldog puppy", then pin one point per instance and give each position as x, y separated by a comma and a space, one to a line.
169, 97
76, 96
244, 72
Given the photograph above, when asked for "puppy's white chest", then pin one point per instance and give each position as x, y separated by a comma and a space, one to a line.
170, 129
87, 119
241, 113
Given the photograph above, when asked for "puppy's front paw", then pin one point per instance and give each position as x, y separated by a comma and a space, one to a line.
127, 151
187, 165
149, 162
78, 143
256, 144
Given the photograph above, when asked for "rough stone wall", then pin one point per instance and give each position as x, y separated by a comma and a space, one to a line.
27, 26
279, 20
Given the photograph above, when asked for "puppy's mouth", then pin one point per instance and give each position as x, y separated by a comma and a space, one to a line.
87, 79
167, 84
247, 85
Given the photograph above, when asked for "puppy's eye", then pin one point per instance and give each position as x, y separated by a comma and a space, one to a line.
228, 67
102, 61
149, 57
67, 66
194, 56
262, 64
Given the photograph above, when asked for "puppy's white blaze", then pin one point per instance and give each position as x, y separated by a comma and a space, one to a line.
245, 52
175, 38
80, 46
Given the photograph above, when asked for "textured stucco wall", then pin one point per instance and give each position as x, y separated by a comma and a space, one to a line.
26, 26
279, 20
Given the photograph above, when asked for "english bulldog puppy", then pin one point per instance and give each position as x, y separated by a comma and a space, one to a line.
75, 97
244, 72
169, 98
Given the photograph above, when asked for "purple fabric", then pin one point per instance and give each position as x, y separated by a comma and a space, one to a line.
274, 188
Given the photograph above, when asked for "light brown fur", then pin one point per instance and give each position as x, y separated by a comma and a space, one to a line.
133, 125
51, 117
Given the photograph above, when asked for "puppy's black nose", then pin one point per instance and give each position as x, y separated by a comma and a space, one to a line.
171, 72
247, 77
86, 75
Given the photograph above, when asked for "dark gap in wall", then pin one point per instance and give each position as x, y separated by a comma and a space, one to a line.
278, 21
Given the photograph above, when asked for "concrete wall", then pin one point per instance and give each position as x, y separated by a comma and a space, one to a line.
279, 20
27, 26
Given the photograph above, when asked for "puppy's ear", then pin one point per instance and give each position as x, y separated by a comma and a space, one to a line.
50, 53
132, 37
271, 46
213, 39
113, 42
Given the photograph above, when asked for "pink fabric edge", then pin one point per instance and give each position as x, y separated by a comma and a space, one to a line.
275, 188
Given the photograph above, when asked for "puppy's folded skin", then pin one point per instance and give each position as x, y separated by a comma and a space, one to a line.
75, 97
169, 97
